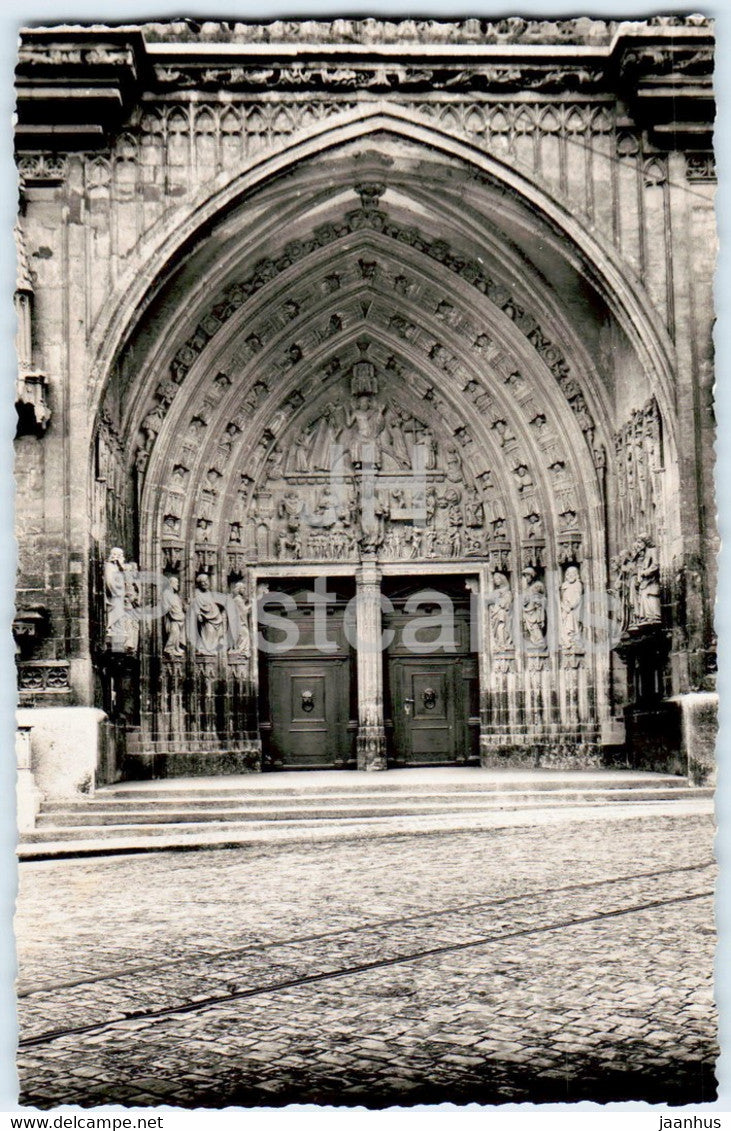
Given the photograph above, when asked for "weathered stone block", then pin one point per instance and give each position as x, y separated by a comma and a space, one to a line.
66, 745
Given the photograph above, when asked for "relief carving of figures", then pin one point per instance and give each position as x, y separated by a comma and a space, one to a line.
572, 595
424, 439
533, 608
523, 476
208, 618
653, 435
195, 429
256, 395
474, 543
173, 619
114, 598
373, 513
501, 613
415, 539
290, 508
584, 418
241, 636
430, 542
327, 431
289, 542
392, 544
638, 446
621, 487
454, 466
453, 502
303, 449
274, 464
474, 510
504, 433
642, 479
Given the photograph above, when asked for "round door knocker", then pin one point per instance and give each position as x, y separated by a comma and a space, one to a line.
308, 701
429, 698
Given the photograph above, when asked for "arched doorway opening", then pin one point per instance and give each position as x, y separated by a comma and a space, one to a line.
396, 388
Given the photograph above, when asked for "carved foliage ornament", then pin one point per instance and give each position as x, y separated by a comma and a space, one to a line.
381, 76
513, 29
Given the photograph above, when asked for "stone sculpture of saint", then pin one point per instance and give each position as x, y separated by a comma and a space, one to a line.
572, 594
324, 434
620, 591
534, 608
395, 425
648, 608
501, 612
173, 619
302, 450
241, 636
208, 618
366, 424
151, 426
114, 597
131, 606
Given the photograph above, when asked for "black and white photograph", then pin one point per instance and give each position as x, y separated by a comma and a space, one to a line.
366, 561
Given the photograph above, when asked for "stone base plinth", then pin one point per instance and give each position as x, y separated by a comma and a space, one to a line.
27, 794
67, 745
541, 754
698, 712
191, 760
371, 748
677, 736
28, 799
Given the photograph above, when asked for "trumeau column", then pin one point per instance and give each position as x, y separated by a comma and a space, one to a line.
371, 742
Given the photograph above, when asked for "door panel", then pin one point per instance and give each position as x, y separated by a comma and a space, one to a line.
423, 711
308, 708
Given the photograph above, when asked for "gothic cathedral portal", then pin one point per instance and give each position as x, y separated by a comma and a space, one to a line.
393, 388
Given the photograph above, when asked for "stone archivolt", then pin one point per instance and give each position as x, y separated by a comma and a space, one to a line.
235, 487
407, 327
369, 217
257, 433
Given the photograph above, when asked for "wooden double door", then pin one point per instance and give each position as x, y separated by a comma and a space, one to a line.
309, 704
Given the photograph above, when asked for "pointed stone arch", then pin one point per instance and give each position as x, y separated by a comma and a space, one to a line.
483, 353
164, 245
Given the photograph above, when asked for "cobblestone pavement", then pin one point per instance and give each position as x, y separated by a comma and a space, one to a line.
516, 965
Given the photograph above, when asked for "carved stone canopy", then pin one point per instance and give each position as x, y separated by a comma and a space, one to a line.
31, 624
31, 402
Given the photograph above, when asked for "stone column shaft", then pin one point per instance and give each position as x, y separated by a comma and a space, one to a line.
371, 742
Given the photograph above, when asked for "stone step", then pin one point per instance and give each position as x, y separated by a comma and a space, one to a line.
94, 815
205, 793
138, 836
103, 812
